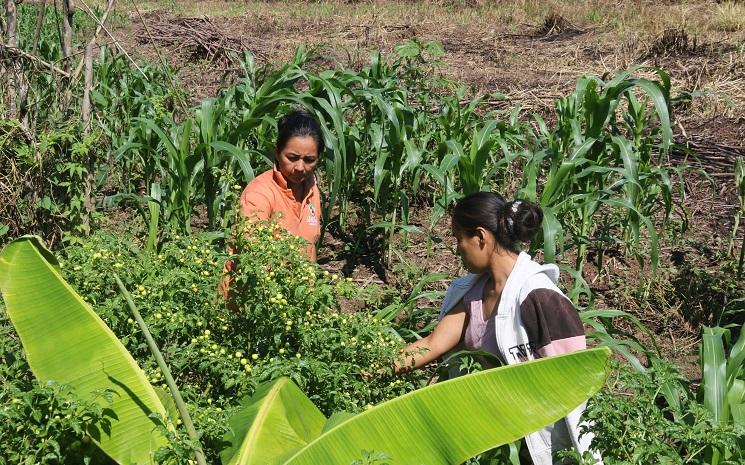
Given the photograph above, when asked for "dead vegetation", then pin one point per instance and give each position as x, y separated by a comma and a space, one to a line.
556, 26
196, 38
673, 41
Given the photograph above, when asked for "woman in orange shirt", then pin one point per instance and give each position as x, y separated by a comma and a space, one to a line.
288, 192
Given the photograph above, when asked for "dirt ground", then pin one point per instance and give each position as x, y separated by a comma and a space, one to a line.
530, 51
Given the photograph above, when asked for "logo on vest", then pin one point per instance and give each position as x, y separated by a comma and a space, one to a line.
520, 352
312, 217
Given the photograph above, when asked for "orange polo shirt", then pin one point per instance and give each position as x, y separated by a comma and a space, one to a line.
268, 196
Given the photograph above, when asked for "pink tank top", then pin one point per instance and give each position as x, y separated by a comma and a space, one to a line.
480, 334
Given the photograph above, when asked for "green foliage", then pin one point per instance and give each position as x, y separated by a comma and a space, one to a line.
633, 424
439, 424
47, 424
66, 342
292, 322
62, 165
602, 180
211, 349
42, 422
723, 386
740, 185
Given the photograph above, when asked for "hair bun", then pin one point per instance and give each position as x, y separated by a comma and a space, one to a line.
523, 219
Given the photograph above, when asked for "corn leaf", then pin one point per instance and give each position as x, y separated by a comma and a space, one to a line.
715, 373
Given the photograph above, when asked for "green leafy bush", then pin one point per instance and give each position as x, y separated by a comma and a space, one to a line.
288, 321
42, 424
633, 424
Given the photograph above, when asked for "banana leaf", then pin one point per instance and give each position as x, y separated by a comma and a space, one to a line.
441, 424
67, 342
277, 418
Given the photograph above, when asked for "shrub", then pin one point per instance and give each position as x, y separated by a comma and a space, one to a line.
633, 424
288, 321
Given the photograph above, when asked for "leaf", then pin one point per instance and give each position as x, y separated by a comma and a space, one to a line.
408, 49
736, 401
714, 373
449, 422
336, 419
67, 342
277, 419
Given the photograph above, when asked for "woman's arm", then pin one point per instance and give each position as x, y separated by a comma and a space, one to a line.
445, 336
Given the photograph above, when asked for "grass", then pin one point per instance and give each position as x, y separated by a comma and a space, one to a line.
729, 16
641, 17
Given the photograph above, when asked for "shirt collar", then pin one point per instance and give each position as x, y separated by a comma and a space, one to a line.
280, 180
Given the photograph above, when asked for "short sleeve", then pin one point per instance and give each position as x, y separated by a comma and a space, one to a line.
255, 204
552, 323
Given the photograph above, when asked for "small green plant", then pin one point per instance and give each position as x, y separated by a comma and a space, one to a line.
723, 388
48, 424
633, 424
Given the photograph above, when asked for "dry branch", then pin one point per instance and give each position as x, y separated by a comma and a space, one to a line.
11, 27
86, 105
11, 53
39, 25
111, 36
716, 158
200, 37
68, 11
10, 74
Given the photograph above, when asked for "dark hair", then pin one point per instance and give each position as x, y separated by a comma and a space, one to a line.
299, 123
510, 222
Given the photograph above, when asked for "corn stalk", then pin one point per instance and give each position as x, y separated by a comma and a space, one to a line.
740, 184
600, 159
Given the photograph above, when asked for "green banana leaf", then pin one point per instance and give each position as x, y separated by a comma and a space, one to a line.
441, 424
276, 419
66, 341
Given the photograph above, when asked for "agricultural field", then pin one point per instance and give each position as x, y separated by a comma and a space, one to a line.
129, 129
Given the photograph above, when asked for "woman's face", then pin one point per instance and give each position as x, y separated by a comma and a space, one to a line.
298, 159
472, 250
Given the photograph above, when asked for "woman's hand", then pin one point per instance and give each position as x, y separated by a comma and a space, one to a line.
445, 337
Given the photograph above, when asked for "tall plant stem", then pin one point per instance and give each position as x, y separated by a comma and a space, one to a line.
742, 257
68, 12
581, 251
180, 404
735, 227
390, 235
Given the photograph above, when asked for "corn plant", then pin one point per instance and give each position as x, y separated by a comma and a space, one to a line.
597, 161
180, 167
723, 384
740, 184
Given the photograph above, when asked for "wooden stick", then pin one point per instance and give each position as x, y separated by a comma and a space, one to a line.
11, 27
86, 105
116, 42
21, 53
39, 25
99, 28
68, 11
12, 41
